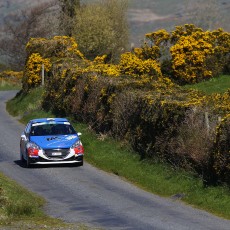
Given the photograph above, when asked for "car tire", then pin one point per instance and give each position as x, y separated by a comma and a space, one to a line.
80, 163
22, 157
28, 164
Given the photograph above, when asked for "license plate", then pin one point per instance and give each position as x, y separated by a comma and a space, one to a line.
56, 154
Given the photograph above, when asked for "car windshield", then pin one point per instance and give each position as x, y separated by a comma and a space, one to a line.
51, 129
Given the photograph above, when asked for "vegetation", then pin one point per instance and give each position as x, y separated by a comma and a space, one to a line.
103, 25
215, 85
116, 157
68, 16
139, 100
10, 80
136, 97
101, 29
21, 209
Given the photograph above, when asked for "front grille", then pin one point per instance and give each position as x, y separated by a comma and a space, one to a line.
56, 153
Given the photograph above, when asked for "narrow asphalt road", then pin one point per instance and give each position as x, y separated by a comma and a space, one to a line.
88, 195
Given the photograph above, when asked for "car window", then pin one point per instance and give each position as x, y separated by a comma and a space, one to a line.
52, 129
27, 129
62, 129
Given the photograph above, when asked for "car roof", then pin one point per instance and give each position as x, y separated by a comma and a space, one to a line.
39, 120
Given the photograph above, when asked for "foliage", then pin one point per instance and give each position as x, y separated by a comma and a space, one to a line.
188, 58
132, 100
99, 67
222, 150
58, 46
67, 15
32, 74
131, 65
195, 55
9, 74
101, 28
220, 102
10, 80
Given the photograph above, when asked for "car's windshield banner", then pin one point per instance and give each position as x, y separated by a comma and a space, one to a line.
50, 122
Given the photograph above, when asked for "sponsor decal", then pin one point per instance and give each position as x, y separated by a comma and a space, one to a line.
70, 137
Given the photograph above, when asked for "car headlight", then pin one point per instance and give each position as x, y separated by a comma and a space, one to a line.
78, 148
32, 149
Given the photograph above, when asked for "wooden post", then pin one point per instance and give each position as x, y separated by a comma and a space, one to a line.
207, 122
43, 74
219, 119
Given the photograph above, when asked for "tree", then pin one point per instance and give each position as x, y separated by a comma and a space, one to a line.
20, 27
101, 28
67, 15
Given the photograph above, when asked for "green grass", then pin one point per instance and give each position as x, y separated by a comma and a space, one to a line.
25, 104
154, 177
5, 85
115, 157
21, 209
215, 85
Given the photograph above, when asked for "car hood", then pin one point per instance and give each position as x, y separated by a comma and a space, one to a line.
56, 141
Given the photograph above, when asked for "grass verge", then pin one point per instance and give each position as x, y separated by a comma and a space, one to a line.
8, 85
114, 157
215, 85
21, 209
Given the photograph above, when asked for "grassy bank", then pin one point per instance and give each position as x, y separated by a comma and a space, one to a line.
215, 85
115, 157
21, 209
7, 85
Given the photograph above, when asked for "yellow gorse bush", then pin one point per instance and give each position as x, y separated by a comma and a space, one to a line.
9, 74
195, 55
220, 102
189, 57
33, 69
130, 64
58, 46
98, 66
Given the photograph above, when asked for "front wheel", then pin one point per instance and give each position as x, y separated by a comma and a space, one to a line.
28, 164
22, 159
79, 164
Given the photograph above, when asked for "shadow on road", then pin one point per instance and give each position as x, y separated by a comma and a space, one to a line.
23, 165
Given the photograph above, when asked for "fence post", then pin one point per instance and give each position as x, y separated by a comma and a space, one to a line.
207, 122
219, 119
43, 74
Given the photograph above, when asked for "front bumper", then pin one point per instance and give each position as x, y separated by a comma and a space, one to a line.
40, 161
66, 157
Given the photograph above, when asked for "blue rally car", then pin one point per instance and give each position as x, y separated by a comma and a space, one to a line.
50, 141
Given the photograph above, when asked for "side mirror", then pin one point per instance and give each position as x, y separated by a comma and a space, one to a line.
23, 137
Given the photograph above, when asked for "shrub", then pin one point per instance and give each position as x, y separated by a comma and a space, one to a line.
58, 46
101, 28
189, 56
32, 74
222, 150
131, 65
